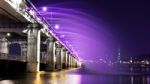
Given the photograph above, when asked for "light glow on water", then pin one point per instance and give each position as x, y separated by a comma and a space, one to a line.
57, 78
74, 79
7, 82
38, 79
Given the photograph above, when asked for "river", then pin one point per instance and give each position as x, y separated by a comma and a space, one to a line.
74, 76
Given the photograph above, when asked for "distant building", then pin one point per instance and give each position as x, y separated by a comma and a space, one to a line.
119, 55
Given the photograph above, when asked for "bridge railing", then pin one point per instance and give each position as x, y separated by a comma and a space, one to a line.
22, 8
29, 11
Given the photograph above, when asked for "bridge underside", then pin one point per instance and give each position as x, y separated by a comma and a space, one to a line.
27, 44
16, 66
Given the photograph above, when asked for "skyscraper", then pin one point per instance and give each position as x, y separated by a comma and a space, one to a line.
119, 56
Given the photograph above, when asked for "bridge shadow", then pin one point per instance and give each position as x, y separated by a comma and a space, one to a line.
13, 66
9, 66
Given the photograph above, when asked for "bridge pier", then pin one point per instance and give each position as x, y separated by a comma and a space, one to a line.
4, 45
69, 60
66, 54
58, 57
23, 49
33, 48
73, 63
65, 59
50, 61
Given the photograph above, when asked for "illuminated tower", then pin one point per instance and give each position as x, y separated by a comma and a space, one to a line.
119, 57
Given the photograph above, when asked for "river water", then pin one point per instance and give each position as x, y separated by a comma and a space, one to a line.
74, 76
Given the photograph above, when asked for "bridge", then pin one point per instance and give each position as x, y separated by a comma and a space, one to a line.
26, 37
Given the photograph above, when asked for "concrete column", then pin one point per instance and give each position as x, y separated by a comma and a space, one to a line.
50, 61
58, 57
73, 62
64, 58
33, 48
67, 59
70, 61
76, 65
4, 46
23, 49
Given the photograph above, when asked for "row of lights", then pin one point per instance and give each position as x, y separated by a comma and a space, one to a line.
57, 27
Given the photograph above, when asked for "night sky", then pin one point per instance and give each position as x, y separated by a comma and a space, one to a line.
114, 24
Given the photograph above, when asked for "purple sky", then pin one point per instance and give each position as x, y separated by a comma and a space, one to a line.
96, 29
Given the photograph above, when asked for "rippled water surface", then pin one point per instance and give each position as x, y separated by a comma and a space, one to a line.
74, 76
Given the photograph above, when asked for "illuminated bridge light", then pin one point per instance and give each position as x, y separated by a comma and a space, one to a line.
57, 26
44, 8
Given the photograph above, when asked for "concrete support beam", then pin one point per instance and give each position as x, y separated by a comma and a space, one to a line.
33, 48
50, 61
58, 57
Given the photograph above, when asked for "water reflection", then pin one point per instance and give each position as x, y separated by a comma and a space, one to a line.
74, 79
56, 78
38, 79
132, 80
77, 76
6, 82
